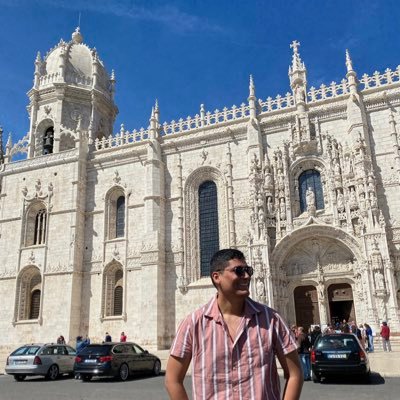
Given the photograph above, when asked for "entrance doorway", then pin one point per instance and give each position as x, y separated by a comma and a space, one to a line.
306, 306
341, 304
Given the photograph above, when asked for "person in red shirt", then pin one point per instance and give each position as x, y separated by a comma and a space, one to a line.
232, 342
123, 337
385, 335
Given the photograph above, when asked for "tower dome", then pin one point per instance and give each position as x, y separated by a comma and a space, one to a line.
72, 93
74, 63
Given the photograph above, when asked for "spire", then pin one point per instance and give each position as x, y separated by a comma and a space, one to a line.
9, 144
154, 119
112, 83
298, 77
1, 146
252, 89
157, 113
297, 64
349, 62
252, 98
351, 74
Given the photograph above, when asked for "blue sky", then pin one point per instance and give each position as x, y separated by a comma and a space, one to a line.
189, 52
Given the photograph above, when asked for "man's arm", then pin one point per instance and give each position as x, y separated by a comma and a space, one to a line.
174, 376
293, 374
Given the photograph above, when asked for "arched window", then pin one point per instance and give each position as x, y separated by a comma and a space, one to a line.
311, 179
120, 217
115, 214
48, 140
40, 227
208, 224
28, 294
113, 290
35, 227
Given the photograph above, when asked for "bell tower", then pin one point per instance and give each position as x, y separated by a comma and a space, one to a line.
72, 94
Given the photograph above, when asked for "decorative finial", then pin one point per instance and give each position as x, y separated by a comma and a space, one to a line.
1, 146
156, 105
252, 90
38, 57
349, 63
76, 36
296, 60
112, 78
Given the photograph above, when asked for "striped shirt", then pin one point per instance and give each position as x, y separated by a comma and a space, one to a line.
242, 369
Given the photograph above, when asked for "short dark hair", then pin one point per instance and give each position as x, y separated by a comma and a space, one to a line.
222, 257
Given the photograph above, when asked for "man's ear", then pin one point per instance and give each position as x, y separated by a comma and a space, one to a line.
215, 277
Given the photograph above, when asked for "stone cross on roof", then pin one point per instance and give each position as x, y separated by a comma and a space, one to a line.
294, 45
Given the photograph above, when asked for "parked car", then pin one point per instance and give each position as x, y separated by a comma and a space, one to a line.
50, 360
115, 360
339, 354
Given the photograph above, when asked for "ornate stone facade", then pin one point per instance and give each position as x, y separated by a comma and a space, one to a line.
105, 228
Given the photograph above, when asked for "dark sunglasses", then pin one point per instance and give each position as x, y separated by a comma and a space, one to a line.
240, 271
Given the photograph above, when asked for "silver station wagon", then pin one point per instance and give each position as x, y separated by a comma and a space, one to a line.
49, 360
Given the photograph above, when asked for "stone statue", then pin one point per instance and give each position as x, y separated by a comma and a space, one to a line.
379, 280
310, 198
340, 202
353, 199
260, 289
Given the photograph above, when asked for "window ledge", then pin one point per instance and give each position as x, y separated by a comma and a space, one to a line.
204, 282
27, 321
114, 318
115, 240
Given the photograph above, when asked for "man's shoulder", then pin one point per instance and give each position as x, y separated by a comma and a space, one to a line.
200, 312
261, 307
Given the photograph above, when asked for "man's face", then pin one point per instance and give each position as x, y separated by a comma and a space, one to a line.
233, 280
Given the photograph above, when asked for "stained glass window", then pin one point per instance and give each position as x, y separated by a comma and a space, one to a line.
208, 218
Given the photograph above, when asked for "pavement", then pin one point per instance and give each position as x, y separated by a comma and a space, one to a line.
386, 364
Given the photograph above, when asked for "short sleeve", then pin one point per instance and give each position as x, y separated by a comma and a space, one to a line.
182, 344
285, 342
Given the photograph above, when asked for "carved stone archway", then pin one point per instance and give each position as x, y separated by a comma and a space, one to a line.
314, 255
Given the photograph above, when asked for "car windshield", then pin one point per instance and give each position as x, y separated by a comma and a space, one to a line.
337, 343
26, 350
95, 349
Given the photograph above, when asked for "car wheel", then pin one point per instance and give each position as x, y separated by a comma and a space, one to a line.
123, 372
315, 378
19, 377
157, 368
86, 378
53, 372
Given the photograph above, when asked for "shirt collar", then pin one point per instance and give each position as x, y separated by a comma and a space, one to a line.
212, 311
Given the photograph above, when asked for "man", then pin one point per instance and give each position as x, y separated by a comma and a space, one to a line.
108, 337
385, 335
232, 342
304, 352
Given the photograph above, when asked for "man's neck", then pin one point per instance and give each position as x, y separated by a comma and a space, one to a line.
231, 306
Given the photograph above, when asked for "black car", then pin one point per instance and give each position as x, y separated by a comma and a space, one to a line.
339, 354
115, 360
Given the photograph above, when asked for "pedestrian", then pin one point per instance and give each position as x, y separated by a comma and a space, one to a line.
370, 338
385, 335
304, 352
123, 337
293, 328
61, 340
232, 342
108, 337
314, 334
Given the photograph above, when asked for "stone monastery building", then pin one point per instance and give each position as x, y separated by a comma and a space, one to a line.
113, 232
